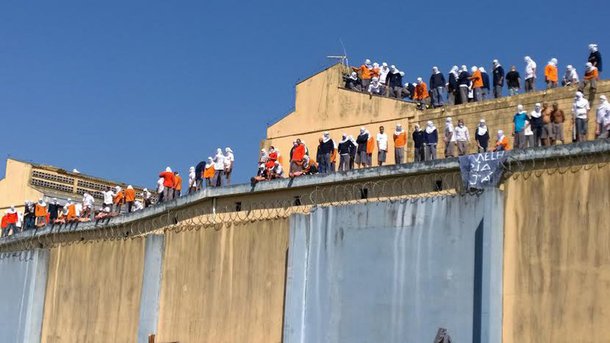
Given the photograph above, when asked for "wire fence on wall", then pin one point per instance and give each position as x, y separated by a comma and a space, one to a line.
219, 213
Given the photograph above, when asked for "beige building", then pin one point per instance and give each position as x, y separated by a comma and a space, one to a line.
322, 104
29, 181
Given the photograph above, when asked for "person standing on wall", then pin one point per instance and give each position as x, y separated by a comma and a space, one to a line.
130, 198
400, 140
485, 89
462, 138
430, 141
453, 97
119, 199
229, 162
580, 111
498, 79
530, 74
550, 74
595, 57
449, 138
519, 120
168, 184
418, 144
536, 124
482, 136
366, 72
602, 119
382, 146
513, 81
464, 84
177, 185
477, 84
557, 119
325, 149
547, 126
437, 85
343, 150
362, 140
219, 168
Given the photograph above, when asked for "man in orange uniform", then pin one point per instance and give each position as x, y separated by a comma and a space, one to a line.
477, 84
502, 142
590, 79
208, 172
9, 222
130, 198
366, 73
70, 210
119, 199
550, 74
40, 212
370, 146
298, 154
421, 95
168, 184
177, 185
400, 140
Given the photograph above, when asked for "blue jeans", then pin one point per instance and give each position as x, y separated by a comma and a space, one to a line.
437, 96
324, 163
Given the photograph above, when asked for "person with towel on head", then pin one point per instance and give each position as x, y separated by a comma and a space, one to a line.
40, 212
208, 172
353, 82
477, 84
570, 78
343, 149
498, 78
28, 215
199, 169
130, 198
437, 87
422, 97
382, 146
366, 73
550, 74
383, 76
168, 184
590, 79
602, 120
147, 197
9, 222
54, 208
486, 86
394, 82
482, 137
580, 111
375, 87
353, 151
325, 149
464, 84
453, 97
519, 123
119, 199
160, 190
430, 141
536, 123
449, 138
400, 141
462, 138
530, 74
501, 142
418, 143
70, 211
229, 162
192, 180
219, 168
362, 140
177, 185
108, 196
595, 57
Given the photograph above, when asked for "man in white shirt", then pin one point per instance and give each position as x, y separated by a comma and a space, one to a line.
602, 118
382, 146
229, 160
108, 197
462, 137
219, 167
383, 75
87, 204
449, 138
580, 110
530, 74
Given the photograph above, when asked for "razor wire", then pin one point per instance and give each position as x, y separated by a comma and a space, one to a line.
241, 209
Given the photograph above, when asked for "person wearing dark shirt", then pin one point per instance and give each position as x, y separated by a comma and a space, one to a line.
498, 79
362, 140
353, 82
430, 141
325, 149
452, 87
394, 80
437, 85
418, 143
486, 85
411, 87
343, 149
481, 136
54, 208
464, 84
595, 57
513, 81
353, 150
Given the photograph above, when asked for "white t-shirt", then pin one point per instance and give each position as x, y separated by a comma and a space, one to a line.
108, 197
461, 134
160, 187
529, 70
382, 141
528, 129
580, 108
383, 74
603, 111
219, 162
449, 129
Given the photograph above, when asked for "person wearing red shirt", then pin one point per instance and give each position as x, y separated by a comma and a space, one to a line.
9, 222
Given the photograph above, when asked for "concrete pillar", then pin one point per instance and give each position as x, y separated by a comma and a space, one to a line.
151, 286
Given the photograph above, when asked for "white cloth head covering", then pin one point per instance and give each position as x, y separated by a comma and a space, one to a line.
464, 67
474, 68
367, 61
500, 135
168, 169
420, 80
430, 127
435, 70
482, 128
482, 70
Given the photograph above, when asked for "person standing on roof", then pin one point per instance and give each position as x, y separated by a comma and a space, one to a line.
177, 185
325, 149
498, 79
486, 85
530, 74
430, 141
383, 76
130, 198
119, 199
464, 84
437, 87
453, 87
343, 150
513, 81
595, 57
422, 97
394, 80
602, 118
550, 74
477, 84
362, 140
219, 167
192, 180
88, 202
229, 162
418, 144
366, 73
168, 184
208, 173
9, 222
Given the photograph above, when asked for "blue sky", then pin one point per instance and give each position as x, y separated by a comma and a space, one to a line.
120, 89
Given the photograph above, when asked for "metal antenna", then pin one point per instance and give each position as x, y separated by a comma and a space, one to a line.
342, 58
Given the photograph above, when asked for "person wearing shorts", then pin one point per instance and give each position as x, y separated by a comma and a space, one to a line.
557, 119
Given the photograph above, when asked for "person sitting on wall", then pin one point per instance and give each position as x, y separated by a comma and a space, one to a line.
502, 142
366, 73
375, 87
421, 94
352, 82
70, 211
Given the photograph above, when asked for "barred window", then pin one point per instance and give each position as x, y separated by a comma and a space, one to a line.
52, 177
92, 185
52, 185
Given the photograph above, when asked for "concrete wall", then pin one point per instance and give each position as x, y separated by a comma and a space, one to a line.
322, 106
395, 272
93, 292
15, 188
224, 286
557, 258
23, 289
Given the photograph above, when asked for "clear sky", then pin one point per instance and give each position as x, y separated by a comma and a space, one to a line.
121, 89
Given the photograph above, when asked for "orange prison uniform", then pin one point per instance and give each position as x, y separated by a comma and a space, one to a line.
550, 73
421, 91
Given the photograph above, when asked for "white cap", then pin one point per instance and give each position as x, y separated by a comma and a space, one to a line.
367, 61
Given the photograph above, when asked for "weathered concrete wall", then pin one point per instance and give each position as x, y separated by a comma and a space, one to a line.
93, 292
557, 258
321, 105
395, 272
224, 286
22, 298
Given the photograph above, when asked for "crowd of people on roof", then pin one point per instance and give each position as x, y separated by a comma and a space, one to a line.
215, 172
542, 126
463, 85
